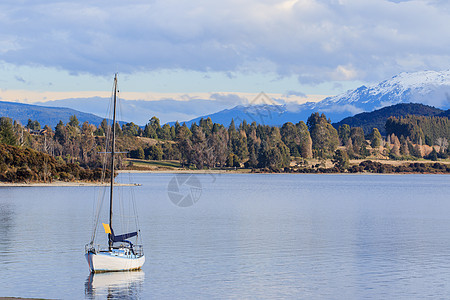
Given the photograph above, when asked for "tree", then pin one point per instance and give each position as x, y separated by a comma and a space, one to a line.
290, 137
88, 152
254, 143
341, 159
442, 143
395, 145
206, 125
153, 152
183, 133
324, 136
61, 133
240, 146
154, 123
118, 130
404, 149
305, 140
105, 127
233, 160
273, 153
432, 156
7, 132
73, 121
344, 133
357, 136
200, 147
218, 142
375, 138
166, 133
33, 125
170, 151
130, 129
150, 132
99, 132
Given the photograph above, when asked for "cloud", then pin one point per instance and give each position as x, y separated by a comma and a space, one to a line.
295, 93
315, 40
231, 99
343, 108
20, 79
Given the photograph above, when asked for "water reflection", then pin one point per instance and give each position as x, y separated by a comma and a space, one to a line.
115, 285
6, 225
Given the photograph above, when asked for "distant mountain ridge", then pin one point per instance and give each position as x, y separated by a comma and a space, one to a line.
44, 115
378, 118
140, 111
427, 87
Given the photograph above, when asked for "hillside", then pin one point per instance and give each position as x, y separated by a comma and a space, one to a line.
445, 114
44, 115
378, 118
28, 165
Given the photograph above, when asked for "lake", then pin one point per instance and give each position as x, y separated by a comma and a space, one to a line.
239, 236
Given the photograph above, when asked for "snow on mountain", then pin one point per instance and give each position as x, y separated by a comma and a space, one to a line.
426, 87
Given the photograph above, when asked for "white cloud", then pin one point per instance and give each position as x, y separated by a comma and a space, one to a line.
315, 40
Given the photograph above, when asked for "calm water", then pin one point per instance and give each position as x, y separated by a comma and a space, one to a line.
247, 236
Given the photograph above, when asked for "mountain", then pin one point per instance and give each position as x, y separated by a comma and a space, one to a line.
378, 118
140, 111
427, 87
44, 115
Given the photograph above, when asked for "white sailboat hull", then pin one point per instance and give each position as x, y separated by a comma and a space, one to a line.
108, 262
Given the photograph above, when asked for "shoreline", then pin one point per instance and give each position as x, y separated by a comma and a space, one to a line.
82, 184
61, 184
210, 172
273, 173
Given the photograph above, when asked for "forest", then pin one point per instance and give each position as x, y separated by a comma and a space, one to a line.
209, 145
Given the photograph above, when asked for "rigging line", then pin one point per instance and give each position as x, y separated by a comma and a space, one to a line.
99, 209
134, 208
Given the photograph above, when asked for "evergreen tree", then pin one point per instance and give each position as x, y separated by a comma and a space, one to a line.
105, 127
33, 125
305, 140
324, 136
7, 132
73, 121
341, 159
375, 138
165, 133
344, 133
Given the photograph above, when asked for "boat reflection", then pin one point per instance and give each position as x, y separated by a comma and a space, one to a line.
115, 285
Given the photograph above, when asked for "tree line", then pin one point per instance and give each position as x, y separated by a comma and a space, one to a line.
213, 145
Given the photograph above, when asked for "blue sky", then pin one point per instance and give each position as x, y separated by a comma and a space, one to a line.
304, 49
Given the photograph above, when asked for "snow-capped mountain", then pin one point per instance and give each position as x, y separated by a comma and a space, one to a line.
426, 87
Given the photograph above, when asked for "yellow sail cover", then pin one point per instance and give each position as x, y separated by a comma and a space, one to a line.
107, 228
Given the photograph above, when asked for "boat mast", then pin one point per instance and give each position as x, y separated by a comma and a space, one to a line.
112, 159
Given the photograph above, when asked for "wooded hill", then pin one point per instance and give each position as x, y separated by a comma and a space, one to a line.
377, 119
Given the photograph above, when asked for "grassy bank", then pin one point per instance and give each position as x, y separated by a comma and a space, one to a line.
301, 166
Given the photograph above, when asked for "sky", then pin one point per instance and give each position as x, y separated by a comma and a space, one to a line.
298, 50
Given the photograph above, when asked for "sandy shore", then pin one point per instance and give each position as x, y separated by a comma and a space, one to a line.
59, 183
240, 171
15, 298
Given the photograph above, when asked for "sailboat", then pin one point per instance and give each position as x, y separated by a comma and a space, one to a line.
120, 253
